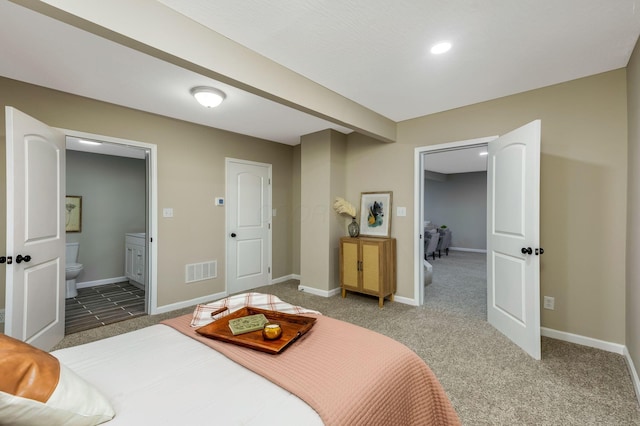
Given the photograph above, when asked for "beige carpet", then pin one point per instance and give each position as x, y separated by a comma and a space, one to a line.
489, 380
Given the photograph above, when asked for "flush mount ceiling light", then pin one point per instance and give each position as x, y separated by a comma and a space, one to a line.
483, 153
208, 96
441, 47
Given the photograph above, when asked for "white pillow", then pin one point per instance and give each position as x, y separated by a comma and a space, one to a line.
72, 402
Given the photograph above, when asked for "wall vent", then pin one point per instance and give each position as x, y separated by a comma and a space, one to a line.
201, 271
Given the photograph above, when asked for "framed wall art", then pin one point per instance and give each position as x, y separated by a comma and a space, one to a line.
375, 214
73, 213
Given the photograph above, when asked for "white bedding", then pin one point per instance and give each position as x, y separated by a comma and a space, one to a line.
158, 376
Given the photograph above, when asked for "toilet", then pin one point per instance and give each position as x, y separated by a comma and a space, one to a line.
72, 269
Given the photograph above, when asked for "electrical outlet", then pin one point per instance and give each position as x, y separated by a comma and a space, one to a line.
549, 302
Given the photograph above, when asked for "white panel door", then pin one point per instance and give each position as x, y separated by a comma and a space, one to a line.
248, 220
35, 272
513, 235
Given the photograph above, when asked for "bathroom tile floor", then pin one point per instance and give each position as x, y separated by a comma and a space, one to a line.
101, 305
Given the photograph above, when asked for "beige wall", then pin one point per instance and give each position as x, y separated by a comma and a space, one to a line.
583, 188
295, 211
339, 223
583, 191
191, 173
323, 179
633, 210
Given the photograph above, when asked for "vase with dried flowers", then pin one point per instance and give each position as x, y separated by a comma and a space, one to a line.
343, 207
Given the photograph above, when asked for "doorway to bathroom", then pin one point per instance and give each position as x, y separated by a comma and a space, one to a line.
109, 250
36, 227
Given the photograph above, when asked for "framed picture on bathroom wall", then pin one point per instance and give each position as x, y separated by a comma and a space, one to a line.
73, 213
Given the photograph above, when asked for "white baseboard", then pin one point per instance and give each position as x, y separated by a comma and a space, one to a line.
101, 282
582, 340
285, 278
633, 372
318, 292
187, 303
405, 300
468, 249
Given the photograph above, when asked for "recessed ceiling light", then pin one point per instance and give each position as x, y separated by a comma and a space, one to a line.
89, 142
441, 47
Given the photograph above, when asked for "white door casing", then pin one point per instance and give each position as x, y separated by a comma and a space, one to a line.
35, 227
248, 224
151, 252
513, 224
419, 187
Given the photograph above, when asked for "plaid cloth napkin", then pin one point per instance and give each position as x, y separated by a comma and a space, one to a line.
202, 313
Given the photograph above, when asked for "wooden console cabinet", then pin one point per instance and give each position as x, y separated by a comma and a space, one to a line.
368, 265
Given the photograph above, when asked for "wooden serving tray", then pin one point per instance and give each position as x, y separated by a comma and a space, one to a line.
293, 326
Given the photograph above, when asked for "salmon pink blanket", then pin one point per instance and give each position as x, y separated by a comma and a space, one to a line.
348, 374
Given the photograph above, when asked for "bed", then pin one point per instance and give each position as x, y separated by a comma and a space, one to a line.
337, 373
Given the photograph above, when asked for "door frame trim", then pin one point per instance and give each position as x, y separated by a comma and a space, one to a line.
418, 205
152, 213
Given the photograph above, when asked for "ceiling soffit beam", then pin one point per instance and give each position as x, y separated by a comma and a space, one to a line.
154, 29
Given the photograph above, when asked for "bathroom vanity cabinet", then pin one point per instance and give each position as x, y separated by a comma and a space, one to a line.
135, 257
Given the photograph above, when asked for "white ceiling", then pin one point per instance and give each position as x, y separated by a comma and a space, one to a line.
470, 159
374, 52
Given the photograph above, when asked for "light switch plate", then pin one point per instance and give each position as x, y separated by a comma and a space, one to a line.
401, 211
167, 212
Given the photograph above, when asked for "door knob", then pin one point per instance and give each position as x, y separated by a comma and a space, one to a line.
20, 258
9, 260
526, 250
3, 259
233, 235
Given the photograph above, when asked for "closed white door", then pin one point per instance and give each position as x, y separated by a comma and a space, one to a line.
248, 224
35, 278
513, 236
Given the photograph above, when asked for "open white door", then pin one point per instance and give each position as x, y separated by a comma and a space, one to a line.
248, 222
35, 270
513, 236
